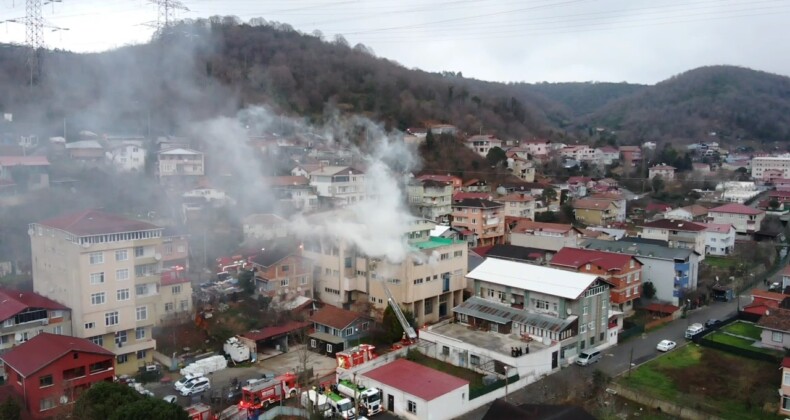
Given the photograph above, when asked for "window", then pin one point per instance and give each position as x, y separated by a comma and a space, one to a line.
412, 407
8, 322
785, 403
284, 283
364, 326
142, 313
45, 381
445, 351
329, 348
58, 330
46, 404
111, 318
169, 307
474, 360
541, 304
97, 278
583, 329
176, 289
184, 305
122, 274
628, 278
139, 333
89, 325
303, 280
349, 332
627, 292
631, 264
122, 294
285, 268
587, 267
139, 251
776, 336
122, 358
120, 337
141, 354
122, 255
97, 298
586, 310
428, 306
97, 258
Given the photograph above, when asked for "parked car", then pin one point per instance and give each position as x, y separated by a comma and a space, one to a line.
195, 387
588, 357
179, 384
694, 329
711, 322
172, 399
666, 345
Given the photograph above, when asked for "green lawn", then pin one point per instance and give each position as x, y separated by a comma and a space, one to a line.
475, 379
720, 337
720, 262
745, 329
715, 382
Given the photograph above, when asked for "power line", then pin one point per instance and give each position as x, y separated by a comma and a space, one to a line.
34, 36
166, 15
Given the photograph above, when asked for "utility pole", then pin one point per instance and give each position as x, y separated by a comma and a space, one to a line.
166, 16
34, 38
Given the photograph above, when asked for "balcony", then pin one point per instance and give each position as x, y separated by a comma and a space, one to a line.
491, 221
126, 348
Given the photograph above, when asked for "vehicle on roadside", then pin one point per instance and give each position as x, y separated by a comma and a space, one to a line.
694, 329
179, 384
711, 323
588, 357
666, 345
195, 387
172, 399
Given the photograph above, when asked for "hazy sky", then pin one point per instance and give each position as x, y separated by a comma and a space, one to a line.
642, 41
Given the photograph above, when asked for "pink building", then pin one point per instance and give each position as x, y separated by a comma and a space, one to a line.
485, 218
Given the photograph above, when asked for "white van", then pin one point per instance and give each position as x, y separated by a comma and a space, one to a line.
588, 357
195, 387
694, 329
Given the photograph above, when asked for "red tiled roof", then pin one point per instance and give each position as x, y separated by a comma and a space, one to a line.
662, 308
474, 195
735, 208
657, 207
335, 317
482, 250
786, 362
24, 161
441, 178
45, 348
575, 258
13, 302
415, 379
579, 179
766, 295
675, 225
757, 308
94, 222
663, 167
271, 332
776, 319
718, 227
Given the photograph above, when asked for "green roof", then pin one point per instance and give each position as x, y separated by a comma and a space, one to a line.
434, 242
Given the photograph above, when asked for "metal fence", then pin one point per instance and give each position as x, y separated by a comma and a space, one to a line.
700, 339
633, 331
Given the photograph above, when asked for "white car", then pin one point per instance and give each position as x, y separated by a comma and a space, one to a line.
195, 387
666, 345
179, 384
172, 399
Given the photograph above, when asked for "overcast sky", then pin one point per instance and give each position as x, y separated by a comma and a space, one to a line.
641, 41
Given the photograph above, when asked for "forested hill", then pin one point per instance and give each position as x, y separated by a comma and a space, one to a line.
736, 103
583, 98
217, 67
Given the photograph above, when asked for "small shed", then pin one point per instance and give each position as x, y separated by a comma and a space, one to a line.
662, 310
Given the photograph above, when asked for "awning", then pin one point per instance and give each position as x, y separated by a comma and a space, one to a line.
328, 338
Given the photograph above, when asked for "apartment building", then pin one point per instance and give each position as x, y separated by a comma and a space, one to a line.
596, 212
263, 227
746, 220
537, 147
282, 273
673, 271
546, 236
428, 280
176, 295
784, 388
485, 218
581, 153
23, 315
106, 269
345, 184
430, 199
666, 172
483, 143
181, 165
615, 197
677, 233
719, 239
174, 249
518, 205
779, 166
294, 192
553, 304
622, 272
453, 180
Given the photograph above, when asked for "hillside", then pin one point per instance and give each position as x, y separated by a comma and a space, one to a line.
215, 67
581, 99
735, 103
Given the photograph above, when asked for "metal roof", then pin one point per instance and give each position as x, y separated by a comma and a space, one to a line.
628, 246
550, 281
491, 311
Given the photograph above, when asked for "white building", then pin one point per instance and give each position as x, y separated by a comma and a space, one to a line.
180, 163
415, 392
608, 155
666, 172
582, 153
745, 219
483, 143
127, 157
518, 205
263, 227
737, 191
344, 183
719, 239
779, 163
537, 147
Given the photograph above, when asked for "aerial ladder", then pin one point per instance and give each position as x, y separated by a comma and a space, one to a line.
410, 334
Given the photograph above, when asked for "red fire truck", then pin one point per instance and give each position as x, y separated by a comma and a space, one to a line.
263, 394
355, 356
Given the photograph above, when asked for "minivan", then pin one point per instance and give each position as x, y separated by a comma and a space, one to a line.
588, 357
195, 387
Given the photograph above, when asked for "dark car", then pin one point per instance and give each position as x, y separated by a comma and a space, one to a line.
711, 322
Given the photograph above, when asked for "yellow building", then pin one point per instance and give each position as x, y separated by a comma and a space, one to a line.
595, 212
105, 267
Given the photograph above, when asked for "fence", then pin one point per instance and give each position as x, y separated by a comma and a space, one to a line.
700, 339
633, 331
476, 392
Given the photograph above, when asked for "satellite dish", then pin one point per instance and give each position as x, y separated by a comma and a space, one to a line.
568, 311
157, 256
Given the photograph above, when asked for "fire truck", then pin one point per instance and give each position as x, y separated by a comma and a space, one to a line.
355, 356
199, 412
265, 393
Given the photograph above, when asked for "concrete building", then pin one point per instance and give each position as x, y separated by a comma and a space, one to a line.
784, 388
719, 239
483, 143
25, 173
105, 267
608, 155
771, 164
174, 249
546, 236
23, 315
430, 199
521, 167
622, 272
485, 218
537, 147
336, 329
176, 295
518, 205
282, 273
581, 153
596, 212
694, 212
429, 281
181, 166
673, 271
666, 172
677, 233
553, 305
345, 184
127, 157
746, 220
294, 192
264, 227
50, 371
415, 392
615, 197
453, 180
